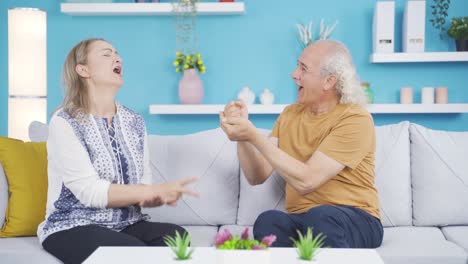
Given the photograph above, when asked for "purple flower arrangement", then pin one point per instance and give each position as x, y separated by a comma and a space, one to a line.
225, 240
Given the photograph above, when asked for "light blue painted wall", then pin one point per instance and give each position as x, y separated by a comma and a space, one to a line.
258, 49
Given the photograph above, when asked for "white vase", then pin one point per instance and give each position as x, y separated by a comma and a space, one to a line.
246, 95
267, 98
243, 256
180, 261
301, 261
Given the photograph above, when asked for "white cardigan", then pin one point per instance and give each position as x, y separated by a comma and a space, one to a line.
86, 156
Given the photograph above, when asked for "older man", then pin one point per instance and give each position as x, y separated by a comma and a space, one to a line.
323, 146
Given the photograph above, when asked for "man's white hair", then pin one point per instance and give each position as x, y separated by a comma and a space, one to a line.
338, 62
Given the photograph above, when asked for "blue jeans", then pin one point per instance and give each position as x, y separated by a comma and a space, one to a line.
343, 226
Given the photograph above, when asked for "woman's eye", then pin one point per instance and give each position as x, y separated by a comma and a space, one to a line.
107, 55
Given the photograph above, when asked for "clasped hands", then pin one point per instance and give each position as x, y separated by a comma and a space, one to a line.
234, 121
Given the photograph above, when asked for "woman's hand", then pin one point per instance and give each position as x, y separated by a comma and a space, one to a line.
167, 193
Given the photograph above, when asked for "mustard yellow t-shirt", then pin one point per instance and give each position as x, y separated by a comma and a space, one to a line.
347, 135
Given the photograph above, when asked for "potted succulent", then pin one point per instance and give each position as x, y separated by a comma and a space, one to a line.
234, 250
179, 244
458, 30
308, 246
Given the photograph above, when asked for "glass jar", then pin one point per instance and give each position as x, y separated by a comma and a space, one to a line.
369, 92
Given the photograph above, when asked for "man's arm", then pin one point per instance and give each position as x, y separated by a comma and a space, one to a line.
255, 167
304, 177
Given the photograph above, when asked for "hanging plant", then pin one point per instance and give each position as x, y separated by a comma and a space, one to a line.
439, 14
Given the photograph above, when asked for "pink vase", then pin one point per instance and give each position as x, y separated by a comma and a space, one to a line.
190, 88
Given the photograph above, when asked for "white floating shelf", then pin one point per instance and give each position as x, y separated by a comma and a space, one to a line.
130, 9
418, 57
206, 109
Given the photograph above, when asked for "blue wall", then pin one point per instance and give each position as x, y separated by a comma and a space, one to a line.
258, 49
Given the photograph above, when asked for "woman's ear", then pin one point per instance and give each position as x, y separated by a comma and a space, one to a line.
82, 70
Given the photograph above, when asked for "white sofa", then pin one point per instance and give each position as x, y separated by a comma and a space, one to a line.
421, 175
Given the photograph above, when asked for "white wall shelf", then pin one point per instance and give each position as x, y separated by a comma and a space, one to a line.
130, 9
206, 109
400, 57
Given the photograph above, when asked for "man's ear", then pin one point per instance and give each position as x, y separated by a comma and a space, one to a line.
82, 70
330, 82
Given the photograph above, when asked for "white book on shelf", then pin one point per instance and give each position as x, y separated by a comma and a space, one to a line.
383, 27
414, 26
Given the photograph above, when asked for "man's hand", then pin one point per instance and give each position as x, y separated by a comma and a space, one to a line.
167, 193
236, 109
238, 128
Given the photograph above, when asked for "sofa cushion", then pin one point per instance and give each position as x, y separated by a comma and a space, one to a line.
201, 236
253, 200
439, 171
392, 174
210, 156
38, 131
27, 185
418, 245
3, 195
24, 250
458, 235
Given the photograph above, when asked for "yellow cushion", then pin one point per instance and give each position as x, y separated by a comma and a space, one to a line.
25, 166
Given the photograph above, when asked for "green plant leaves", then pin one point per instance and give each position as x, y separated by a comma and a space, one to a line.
179, 245
308, 245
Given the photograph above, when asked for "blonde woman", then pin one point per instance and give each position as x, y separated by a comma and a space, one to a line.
98, 164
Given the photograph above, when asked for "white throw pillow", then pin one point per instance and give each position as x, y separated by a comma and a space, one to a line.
439, 171
212, 157
38, 131
254, 200
393, 174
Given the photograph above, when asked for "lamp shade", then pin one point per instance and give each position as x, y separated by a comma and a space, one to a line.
27, 69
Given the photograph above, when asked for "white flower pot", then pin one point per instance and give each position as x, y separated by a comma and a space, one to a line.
242, 256
301, 261
179, 261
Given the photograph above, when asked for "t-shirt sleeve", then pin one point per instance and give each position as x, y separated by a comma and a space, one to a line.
350, 141
276, 127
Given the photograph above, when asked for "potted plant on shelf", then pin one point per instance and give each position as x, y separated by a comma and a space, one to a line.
458, 30
234, 250
179, 244
306, 35
439, 15
191, 85
308, 246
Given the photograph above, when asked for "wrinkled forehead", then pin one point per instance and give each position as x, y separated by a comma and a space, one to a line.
101, 45
312, 55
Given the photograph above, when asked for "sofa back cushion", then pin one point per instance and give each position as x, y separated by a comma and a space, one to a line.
253, 200
3, 195
392, 174
208, 155
439, 169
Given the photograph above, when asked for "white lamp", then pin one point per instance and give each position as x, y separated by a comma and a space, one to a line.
27, 70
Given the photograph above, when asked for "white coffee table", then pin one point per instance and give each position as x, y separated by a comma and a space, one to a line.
207, 255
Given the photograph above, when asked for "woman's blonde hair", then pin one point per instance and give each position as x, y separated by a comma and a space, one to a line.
75, 87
